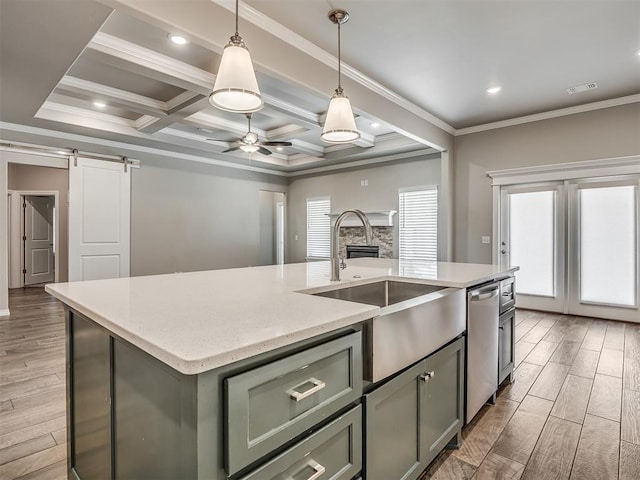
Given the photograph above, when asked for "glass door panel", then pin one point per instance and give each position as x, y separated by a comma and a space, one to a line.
532, 238
608, 245
532, 247
604, 236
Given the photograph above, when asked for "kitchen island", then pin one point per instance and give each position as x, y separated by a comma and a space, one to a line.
179, 376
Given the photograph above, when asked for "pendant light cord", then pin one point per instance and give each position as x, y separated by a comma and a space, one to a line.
237, 34
339, 89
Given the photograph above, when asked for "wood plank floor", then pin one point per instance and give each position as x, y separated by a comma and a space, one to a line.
32, 388
573, 411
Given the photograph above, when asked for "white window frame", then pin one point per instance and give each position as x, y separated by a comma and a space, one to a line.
318, 228
425, 244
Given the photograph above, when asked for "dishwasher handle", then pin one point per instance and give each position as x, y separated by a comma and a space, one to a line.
484, 293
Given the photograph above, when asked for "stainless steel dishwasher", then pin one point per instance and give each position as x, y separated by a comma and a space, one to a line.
482, 346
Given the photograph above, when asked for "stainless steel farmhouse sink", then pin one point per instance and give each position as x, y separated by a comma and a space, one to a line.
415, 320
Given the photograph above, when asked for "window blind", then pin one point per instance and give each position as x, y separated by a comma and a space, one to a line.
318, 227
418, 223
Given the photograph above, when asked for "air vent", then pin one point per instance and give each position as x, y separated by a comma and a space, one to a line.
582, 88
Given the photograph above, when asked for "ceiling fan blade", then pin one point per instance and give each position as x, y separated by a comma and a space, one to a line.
232, 149
264, 151
277, 144
219, 140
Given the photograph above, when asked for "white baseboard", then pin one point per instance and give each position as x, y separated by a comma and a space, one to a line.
4, 313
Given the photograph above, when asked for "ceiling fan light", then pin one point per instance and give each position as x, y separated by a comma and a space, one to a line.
236, 88
249, 148
340, 125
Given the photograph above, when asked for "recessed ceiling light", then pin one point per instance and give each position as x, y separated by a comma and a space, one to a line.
375, 124
494, 90
99, 104
178, 39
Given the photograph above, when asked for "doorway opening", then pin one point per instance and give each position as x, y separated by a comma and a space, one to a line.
33, 226
272, 228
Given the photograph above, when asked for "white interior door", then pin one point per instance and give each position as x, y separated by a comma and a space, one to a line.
38, 239
532, 237
99, 219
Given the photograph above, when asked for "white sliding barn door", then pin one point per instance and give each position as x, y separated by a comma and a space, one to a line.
99, 219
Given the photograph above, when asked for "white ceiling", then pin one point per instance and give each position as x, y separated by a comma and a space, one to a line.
419, 68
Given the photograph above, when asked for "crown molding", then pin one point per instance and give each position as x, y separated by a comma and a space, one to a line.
129, 147
587, 107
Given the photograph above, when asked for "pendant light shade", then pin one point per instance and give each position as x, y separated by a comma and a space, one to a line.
236, 88
339, 125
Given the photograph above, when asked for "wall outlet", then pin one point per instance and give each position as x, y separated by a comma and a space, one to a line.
364, 183
486, 239
295, 237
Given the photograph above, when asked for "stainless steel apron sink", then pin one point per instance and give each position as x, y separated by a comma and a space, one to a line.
415, 320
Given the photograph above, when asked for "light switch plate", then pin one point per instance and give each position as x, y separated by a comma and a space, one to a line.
486, 239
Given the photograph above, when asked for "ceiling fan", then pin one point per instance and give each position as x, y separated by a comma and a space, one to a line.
250, 142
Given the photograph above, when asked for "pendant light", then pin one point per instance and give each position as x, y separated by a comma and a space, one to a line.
236, 88
339, 125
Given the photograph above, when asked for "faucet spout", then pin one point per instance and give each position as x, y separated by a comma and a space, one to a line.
335, 242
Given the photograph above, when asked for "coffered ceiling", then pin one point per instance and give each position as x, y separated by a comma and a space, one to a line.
416, 72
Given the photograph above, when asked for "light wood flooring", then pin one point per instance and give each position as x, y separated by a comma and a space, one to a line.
573, 411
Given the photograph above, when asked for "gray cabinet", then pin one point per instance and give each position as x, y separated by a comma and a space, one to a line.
334, 452
272, 404
506, 346
413, 416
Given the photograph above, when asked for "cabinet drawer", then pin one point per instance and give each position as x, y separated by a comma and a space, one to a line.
507, 294
270, 405
332, 453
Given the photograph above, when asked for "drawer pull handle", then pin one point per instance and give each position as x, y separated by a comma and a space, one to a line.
297, 396
427, 376
319, 469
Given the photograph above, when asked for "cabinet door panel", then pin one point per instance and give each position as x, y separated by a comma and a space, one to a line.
392, 428
90, 400
443, 396
506, 343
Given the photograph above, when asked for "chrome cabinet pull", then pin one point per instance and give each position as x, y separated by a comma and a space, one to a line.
319, 469
427, 376
297, 396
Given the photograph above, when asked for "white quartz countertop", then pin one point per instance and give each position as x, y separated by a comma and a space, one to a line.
199, 321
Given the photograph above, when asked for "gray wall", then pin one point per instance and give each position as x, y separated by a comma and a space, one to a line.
187, 216
345, 191
599, 134
31, 177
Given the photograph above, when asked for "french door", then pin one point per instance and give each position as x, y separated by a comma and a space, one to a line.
576, 243
532, 237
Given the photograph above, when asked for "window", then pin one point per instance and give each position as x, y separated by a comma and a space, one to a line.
418, 220
318, 227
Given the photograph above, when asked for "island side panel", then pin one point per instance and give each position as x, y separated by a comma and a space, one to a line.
154, 417
129, 415
89, 414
